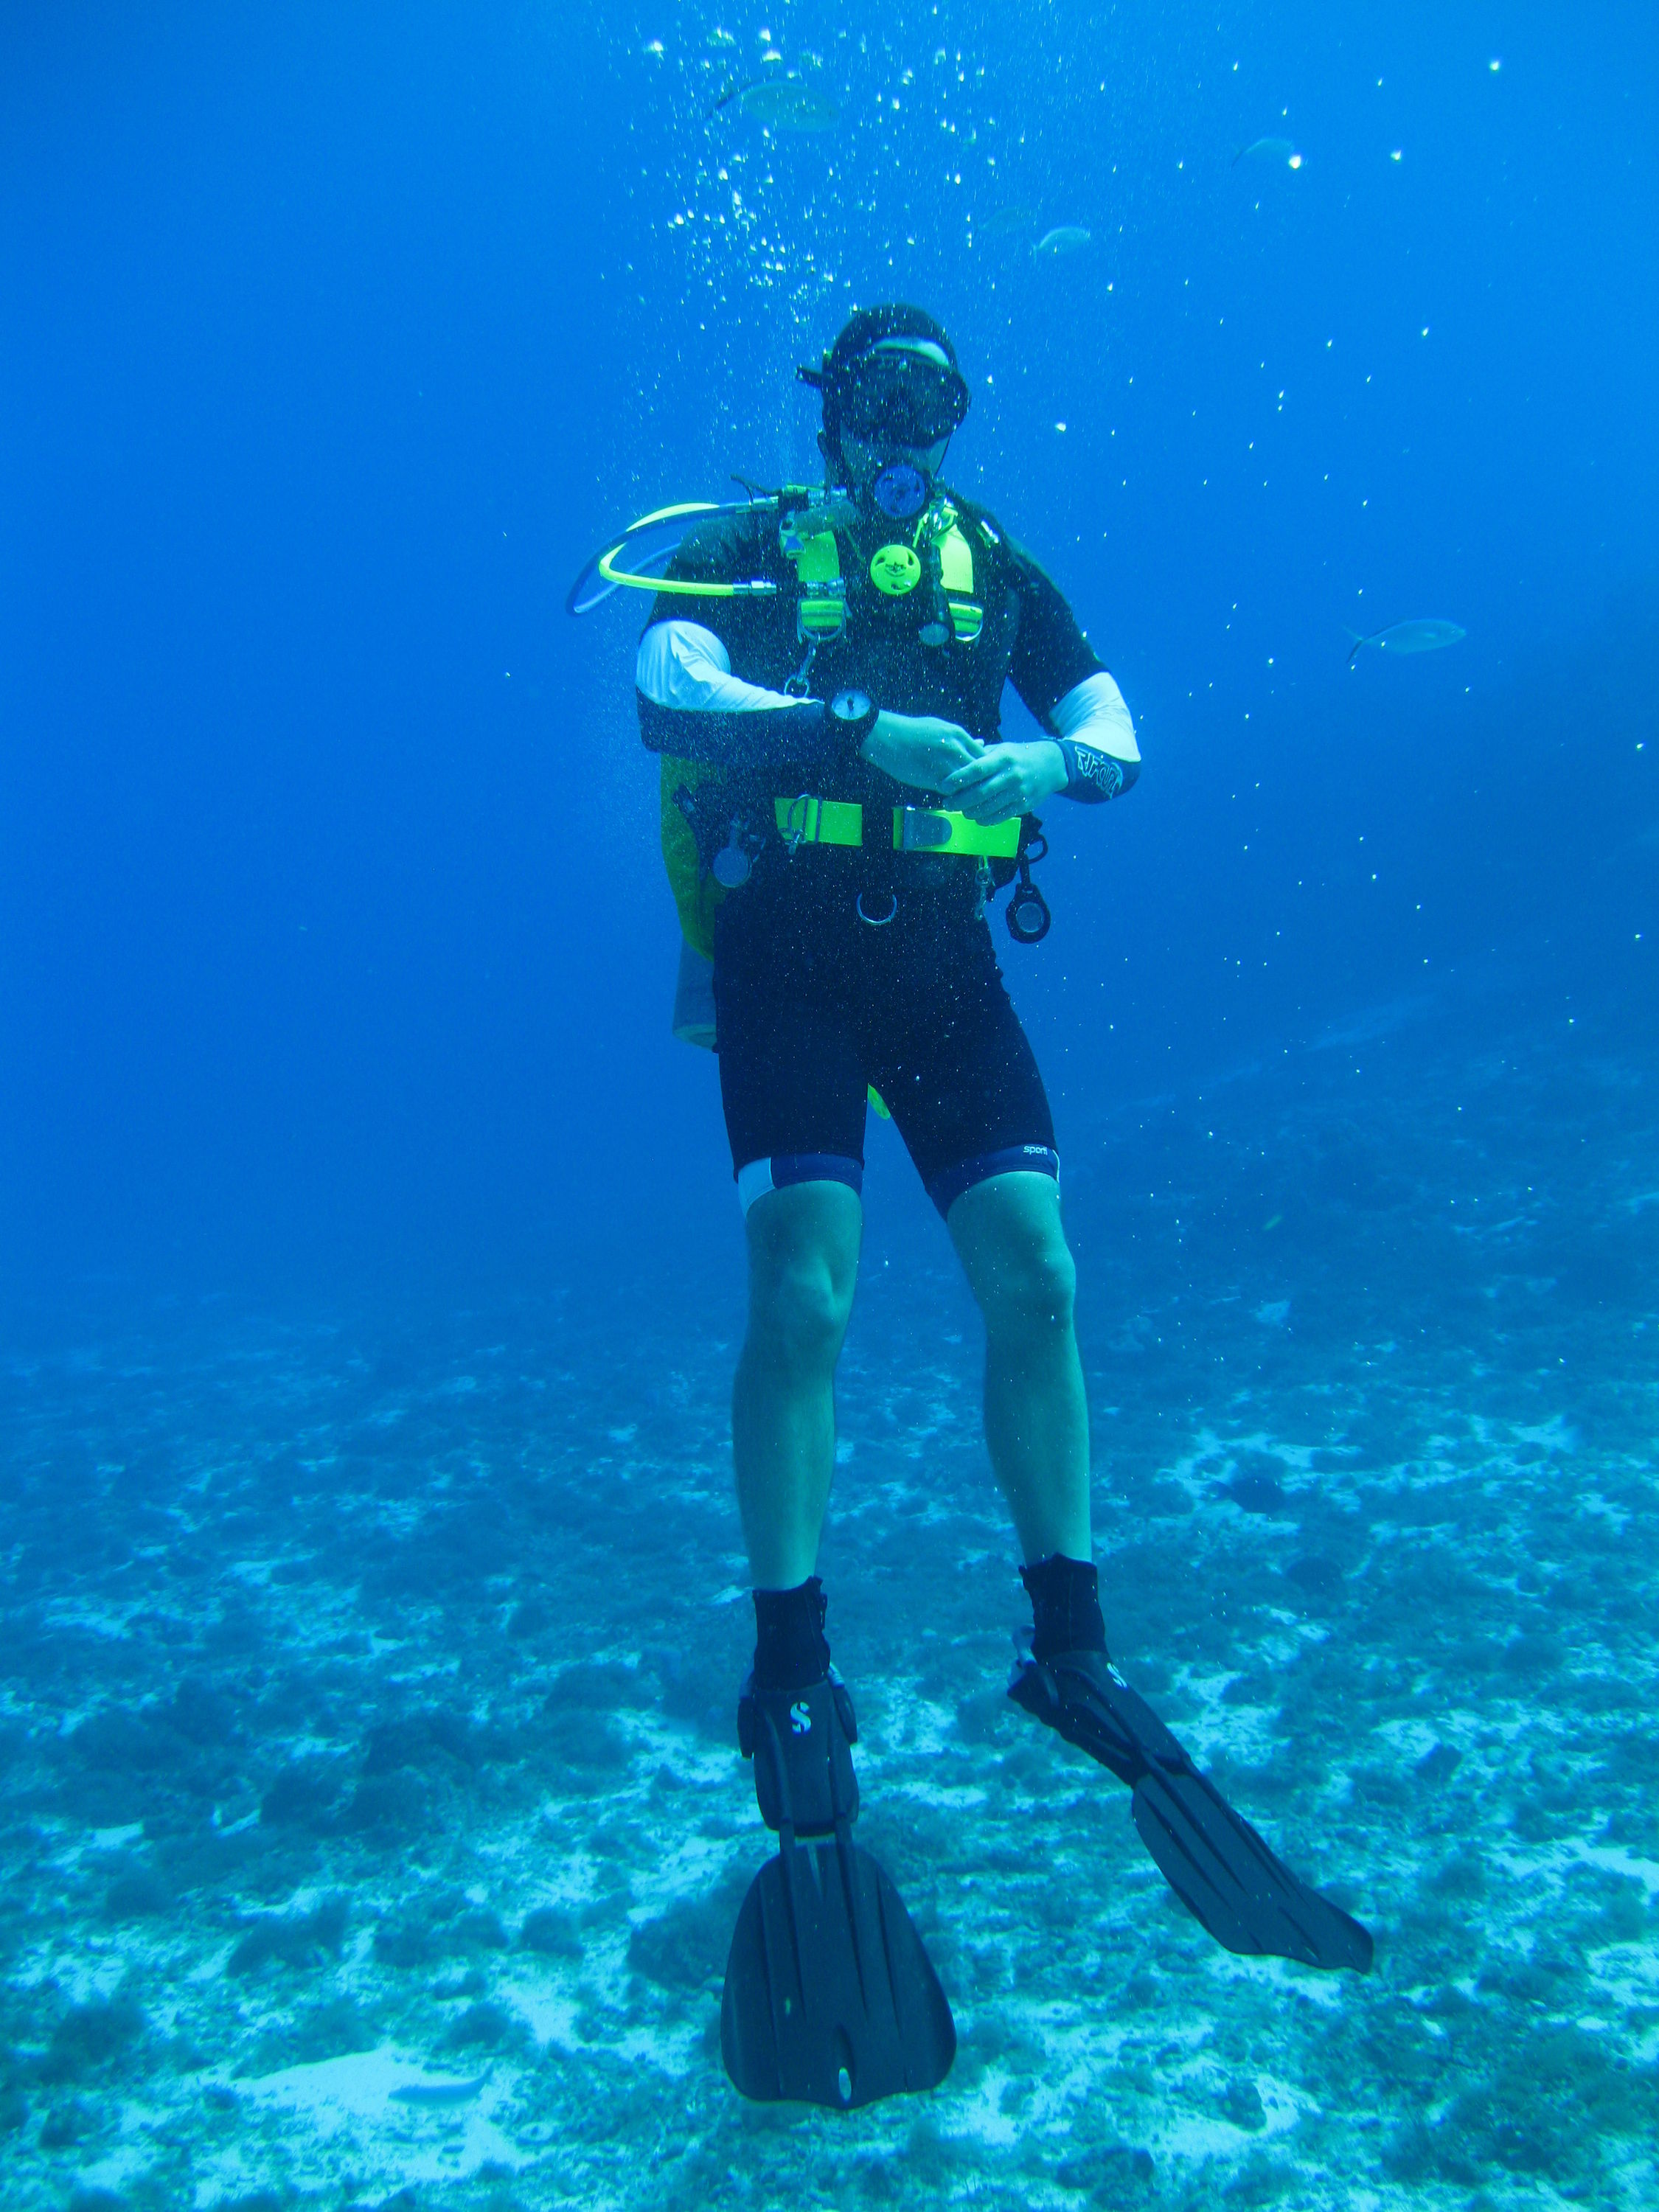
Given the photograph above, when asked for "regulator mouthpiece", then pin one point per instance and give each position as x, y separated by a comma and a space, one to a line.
900, 491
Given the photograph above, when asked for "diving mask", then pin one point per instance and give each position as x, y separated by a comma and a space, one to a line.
902, 391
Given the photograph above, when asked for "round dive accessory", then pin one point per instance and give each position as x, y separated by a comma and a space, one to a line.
1028, 915
733, 864
900, 490
895, 570
856, 712
936, 630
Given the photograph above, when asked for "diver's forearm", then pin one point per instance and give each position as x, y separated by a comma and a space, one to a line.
800, 734
1096, 734
692, 707
1093, 774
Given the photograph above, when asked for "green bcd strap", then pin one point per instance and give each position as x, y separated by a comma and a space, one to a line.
822, 610
955, 573
895, 570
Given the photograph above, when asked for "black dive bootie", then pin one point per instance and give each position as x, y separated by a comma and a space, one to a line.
801, 1743
1224, 1873
829, 1997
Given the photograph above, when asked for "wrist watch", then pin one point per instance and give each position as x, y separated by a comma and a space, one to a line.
856, 712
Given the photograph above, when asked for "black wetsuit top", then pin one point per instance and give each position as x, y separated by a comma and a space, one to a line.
816, 995
1029, 637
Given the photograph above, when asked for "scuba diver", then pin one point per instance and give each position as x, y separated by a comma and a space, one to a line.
821, 674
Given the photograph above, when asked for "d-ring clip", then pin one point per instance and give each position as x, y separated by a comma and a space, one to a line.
877, 920
798, 818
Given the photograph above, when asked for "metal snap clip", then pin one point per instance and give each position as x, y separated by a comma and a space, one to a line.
798, 818
799, 685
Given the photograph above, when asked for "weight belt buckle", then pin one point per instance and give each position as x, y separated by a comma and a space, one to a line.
923, 829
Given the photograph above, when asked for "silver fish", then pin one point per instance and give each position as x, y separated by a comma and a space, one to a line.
782, 103
1274, 149
1065, 238
1428, 635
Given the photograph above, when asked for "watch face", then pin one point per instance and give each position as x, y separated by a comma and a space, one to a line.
850, 706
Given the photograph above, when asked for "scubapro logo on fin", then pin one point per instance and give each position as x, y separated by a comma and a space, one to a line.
800, 1720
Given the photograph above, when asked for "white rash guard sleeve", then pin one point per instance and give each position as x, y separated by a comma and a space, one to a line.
682, 664
1095, 713
1098, 738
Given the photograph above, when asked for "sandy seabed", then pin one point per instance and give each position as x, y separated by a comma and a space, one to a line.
372, 1826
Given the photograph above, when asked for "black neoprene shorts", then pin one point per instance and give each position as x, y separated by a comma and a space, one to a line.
813, 1005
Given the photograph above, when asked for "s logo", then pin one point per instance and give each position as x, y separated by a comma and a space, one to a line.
800, 1720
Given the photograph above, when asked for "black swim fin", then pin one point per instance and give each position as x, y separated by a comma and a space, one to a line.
829, 1997
1225, 1873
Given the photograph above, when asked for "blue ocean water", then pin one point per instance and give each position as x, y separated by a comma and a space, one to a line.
372, 1826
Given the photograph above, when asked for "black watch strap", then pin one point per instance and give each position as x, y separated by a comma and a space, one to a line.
856, 713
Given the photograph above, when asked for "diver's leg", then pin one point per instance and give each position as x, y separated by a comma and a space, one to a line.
830, 1996
1007, 1231
803, 1264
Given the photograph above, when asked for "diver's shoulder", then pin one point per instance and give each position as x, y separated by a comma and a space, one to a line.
975, 517
994, 534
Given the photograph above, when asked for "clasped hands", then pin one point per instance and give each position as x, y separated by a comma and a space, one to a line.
987, 783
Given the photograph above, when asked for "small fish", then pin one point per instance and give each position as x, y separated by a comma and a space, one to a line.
1004, 222
1428, 636
438, 2093
1270, 149
781, 103
1253, 1493
1317, 1573
1438, 1763
1065, 238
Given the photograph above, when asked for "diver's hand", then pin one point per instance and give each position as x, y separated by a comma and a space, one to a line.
920, 750
1004, 780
